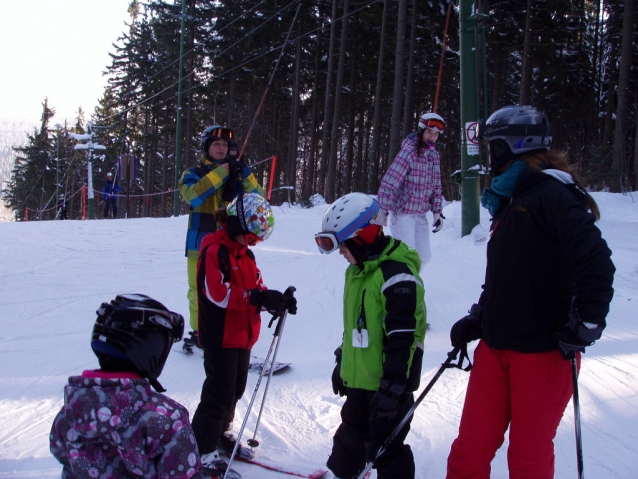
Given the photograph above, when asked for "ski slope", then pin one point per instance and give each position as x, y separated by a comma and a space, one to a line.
55, 274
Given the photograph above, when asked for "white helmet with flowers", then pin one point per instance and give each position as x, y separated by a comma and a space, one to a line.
433, 121
346, 218
254, 214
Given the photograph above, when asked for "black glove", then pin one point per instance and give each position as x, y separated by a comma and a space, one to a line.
437, 222
385, 401
576, 335
235, 167
273, 301
337, 382
468, 328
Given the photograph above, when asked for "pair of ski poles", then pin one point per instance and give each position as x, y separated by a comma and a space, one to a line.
267, 368
448, 364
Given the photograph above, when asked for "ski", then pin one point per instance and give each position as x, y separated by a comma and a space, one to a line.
297, 471
257, 365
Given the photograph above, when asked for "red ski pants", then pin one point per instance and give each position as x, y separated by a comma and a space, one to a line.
527, 392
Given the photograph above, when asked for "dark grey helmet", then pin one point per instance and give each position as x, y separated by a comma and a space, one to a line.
215, 132
514, 130
137, 329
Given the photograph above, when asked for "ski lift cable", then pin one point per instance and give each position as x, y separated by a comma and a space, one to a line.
215, 57
201, 44
237, 66
272, 76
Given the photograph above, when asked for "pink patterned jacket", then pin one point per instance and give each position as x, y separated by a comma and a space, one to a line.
118, 427
412, 184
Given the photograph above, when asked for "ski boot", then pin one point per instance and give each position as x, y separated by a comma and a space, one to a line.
190, 342
227, 444
214, 465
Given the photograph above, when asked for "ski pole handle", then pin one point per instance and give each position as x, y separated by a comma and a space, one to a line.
289, 293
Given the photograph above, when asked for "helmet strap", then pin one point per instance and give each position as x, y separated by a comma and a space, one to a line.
233, 226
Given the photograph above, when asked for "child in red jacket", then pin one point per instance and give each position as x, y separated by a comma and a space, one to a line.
230, 296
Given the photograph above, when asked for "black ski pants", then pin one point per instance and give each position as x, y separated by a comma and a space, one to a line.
107, 205
226, 376
359, 437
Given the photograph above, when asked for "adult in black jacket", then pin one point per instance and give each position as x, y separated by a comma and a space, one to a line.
548, 285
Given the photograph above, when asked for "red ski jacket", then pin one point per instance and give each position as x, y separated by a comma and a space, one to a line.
226, 271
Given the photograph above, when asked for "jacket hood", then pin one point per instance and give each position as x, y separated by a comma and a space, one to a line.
396, 250
221, 237
410, 140
127, 396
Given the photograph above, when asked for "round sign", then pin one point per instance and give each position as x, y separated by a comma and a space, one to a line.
470, 132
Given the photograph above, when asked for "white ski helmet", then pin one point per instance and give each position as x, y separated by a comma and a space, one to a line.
345, 218
433, 121
254, 214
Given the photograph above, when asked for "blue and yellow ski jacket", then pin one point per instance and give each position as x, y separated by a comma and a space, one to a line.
202, 188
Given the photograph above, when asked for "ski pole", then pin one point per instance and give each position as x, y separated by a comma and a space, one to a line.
579, 439
287, 294
447, 364
275, 340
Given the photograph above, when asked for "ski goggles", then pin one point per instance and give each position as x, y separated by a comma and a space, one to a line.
224, 133
327, 242
432, 123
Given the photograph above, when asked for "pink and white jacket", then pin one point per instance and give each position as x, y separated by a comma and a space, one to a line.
412, 184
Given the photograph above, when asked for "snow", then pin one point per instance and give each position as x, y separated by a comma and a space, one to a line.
56, 274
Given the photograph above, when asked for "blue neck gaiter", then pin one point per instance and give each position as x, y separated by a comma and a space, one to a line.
502, 187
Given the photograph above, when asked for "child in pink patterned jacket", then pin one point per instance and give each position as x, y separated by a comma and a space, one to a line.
113, 424
412, 186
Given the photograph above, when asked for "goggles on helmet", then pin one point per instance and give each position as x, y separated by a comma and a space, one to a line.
432, 123
327, 242
224, 133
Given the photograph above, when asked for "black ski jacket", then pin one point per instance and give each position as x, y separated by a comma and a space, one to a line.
544, 255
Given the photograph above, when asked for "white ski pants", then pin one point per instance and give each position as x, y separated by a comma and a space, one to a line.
413, 230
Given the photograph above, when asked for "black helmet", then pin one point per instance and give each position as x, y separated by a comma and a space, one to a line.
137, 329
213, 133
513, 130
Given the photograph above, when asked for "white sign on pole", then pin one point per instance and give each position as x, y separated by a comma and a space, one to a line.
470, 138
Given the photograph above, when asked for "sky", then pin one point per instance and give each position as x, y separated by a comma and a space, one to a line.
56, 49
55, 274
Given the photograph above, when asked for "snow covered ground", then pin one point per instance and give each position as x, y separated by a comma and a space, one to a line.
55, 274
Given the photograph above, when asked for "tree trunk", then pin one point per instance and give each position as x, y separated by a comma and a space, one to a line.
373, 157
618, 165
408, 109
311, 187
635, 182
397, 97
332, 165
291, 177
526, 68
347, 182
612, 55
328, 102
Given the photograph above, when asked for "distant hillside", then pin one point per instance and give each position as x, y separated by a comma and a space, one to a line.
13, 133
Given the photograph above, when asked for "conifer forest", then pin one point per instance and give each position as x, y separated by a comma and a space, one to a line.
330, 88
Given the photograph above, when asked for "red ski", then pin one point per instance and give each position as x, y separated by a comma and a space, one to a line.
297, 471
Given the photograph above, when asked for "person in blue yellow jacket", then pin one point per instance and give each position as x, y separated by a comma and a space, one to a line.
379, 361
212, 184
